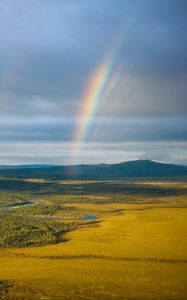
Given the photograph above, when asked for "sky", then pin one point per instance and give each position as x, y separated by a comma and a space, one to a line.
85, 81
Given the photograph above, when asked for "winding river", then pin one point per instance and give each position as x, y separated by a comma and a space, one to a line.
17, 205
52, 218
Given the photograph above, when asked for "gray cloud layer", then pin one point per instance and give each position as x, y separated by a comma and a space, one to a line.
49, 50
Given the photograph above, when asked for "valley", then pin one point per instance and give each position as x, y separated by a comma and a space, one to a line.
134, 247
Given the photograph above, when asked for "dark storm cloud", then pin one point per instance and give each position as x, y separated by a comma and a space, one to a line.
50, 48
154, 63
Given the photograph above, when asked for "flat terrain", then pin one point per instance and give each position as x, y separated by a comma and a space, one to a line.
135, 248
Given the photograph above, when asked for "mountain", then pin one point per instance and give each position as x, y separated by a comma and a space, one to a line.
34, 166
130, 169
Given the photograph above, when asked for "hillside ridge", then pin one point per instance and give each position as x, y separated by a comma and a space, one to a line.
129, 169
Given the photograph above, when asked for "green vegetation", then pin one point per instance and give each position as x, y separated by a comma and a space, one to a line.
22, 232
20, 190
8, 198
4, 285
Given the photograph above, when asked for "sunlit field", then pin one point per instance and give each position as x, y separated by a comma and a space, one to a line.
134, 247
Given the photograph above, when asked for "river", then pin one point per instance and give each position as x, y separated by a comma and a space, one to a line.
30, 203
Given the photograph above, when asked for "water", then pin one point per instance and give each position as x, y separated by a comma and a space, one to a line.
79, 190
17, 205
30, 203
88, 217
82, 217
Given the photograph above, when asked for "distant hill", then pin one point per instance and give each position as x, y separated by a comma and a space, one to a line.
130, 169
35, 166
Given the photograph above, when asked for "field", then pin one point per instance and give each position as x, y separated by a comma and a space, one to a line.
121, 239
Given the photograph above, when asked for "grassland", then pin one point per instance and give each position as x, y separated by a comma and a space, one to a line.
136, 249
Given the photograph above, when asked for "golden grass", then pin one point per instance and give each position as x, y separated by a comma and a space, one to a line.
36, 180
138, 253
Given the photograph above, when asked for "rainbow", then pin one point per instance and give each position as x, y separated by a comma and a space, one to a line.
94, 91
99, 83
102, 81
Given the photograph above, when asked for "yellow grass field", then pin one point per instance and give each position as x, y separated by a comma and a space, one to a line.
137, 253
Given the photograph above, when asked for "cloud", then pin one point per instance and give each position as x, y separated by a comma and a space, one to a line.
140, 96
101, 130
61, 153
49, 49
